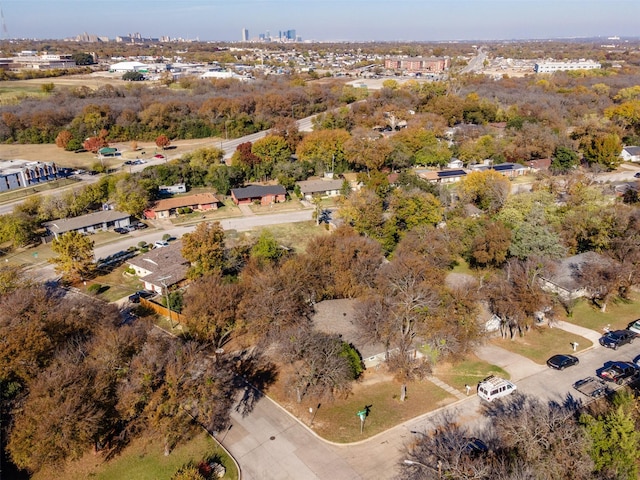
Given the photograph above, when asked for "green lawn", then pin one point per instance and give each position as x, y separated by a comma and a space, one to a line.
539, 343
618, 313
467, 372
338, 421
143, 459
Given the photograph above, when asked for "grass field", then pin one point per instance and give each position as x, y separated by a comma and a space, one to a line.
617, 315
539, 343
337, 421
143, 459
467, 372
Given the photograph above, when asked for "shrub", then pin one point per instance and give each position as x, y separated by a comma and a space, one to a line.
94, 288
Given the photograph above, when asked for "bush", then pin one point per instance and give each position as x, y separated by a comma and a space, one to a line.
142, 244
166, 237
94, 288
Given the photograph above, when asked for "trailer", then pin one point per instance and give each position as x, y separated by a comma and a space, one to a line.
592, 387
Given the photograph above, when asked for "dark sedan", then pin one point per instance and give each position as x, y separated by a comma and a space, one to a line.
560, 362
617, 338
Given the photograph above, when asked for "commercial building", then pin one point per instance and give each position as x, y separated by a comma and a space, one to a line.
23, 173
551, 67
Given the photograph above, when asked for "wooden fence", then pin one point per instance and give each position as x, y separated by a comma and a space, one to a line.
162, 310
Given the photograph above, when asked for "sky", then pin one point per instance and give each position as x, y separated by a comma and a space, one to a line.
324, 20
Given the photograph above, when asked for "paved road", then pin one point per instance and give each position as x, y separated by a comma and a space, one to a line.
271, 445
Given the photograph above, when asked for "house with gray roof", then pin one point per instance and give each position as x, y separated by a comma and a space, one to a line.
565, 279
324, 187
630, 154
264, 194
161, 267
90, 223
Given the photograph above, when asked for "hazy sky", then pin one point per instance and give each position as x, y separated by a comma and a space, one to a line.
325, 20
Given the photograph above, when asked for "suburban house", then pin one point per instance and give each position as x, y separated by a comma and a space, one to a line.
510, 169
565, 280
630, 154
23, 173
161, 268
442, 176
324, 187
264, 194
169, 206
455, 163
90, 223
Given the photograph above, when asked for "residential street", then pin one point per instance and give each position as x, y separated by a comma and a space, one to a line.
269, 444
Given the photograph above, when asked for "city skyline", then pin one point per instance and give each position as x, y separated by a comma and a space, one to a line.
324, 20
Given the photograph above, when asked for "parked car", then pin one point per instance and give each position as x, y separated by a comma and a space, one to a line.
135, 298
634, 326
161, 244
620, 372
128, 162
560, 362
617, 338
140, 225
159, 157
121, 230
636, 175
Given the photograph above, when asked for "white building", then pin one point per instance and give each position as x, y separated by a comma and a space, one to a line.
551, 67
124, 67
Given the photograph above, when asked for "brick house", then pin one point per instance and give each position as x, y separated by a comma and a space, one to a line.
265, 194
200, 202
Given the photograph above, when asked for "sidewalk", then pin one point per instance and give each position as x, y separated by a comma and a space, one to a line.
578, 330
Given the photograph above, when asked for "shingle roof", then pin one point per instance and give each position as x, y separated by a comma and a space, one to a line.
635, 151
186, 201
318, 186
257, 191
567, 270
63, 225
163, 262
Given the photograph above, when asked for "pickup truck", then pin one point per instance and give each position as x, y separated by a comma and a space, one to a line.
620, 373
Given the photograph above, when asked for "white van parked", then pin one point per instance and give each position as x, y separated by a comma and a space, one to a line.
494, 387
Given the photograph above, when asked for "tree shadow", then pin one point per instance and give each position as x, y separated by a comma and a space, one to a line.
254, 374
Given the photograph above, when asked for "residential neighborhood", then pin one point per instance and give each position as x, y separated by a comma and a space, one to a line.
278, 259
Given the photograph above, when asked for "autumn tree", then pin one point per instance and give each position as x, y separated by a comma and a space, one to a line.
394, 314
93, 144
491, 245
515, 294
602, 150
74, 255
488, 190
211, 305
325, 148
205, 249
410, 209
162, 141
63, 138
341, 265
367, 150
363, 210
321, 368
274, 300
131, 196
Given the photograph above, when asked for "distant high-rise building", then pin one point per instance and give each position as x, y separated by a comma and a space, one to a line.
245, 35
